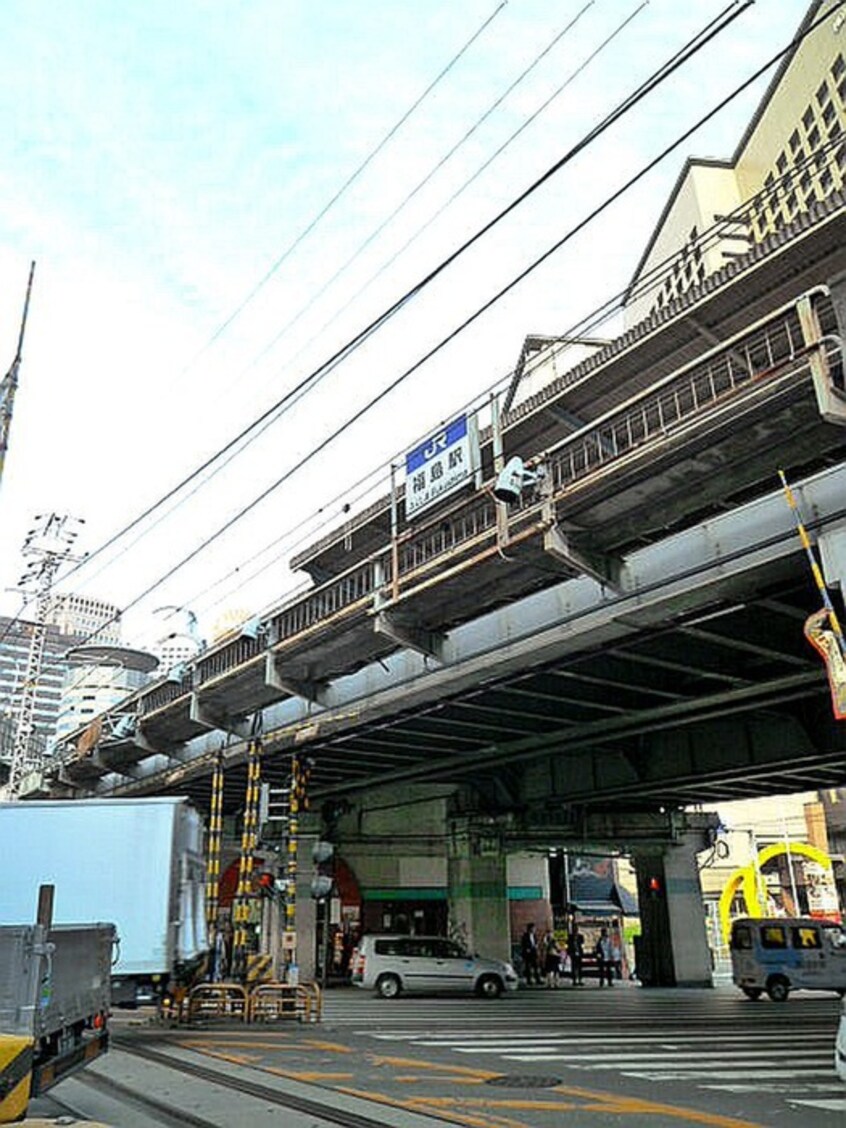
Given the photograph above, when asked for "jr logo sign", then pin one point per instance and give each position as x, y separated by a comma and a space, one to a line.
440, 465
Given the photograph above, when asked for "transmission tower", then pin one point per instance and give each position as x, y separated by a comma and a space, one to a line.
48, 544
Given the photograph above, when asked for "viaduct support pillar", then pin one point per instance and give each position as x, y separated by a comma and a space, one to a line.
673, 949
478, 892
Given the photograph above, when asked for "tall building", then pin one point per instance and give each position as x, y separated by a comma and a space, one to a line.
82, 616
73, 621
96, 678
790, 160
15, 637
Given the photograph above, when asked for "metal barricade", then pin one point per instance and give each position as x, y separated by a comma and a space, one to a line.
218, 1000
273, 1002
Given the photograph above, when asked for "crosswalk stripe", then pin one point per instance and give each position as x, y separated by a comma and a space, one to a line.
837, 1105
457, 1038
577, 1055
763, 1075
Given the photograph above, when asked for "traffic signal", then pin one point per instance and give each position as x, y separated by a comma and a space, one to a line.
323, 881
321, 886
655, 886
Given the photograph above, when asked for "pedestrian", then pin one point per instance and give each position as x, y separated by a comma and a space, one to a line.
616, 956
604, 958
529, 952
551, 960
576, 953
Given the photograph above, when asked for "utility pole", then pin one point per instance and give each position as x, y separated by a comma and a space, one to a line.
9, 383
48, 544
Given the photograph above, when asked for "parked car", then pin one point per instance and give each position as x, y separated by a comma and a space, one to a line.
781, 954
390, 965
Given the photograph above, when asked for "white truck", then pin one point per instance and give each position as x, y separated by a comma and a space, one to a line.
137, 863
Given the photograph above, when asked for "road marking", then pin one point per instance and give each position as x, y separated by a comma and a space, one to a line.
765, 1075
539, 1052
838, 1105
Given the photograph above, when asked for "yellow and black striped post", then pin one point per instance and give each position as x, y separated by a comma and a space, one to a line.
16, 1061
249, 836
298, 801
816, 571
214, 848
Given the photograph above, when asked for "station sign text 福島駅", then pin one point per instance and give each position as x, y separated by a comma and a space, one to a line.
442, 464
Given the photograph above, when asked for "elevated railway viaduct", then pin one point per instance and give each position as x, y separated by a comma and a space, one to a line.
625, 643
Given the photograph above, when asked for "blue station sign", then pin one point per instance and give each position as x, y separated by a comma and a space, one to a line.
443, 463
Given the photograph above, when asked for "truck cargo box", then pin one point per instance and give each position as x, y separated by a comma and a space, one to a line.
134, 862
54, 1006
54, 983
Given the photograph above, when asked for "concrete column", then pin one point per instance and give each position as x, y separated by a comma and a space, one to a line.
673, 950
478, 893
306, 917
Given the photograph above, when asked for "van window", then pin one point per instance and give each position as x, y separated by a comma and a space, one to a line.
741, 938
806, 937
447, 950
392, 947
773, 936
424, 949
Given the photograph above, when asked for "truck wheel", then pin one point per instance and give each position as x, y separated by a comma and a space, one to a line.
388, 986
778, 988
489, 987
753, 993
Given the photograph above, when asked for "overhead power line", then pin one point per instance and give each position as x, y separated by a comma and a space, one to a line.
609, 200
371, 156
694, 45
537, 262
341, 270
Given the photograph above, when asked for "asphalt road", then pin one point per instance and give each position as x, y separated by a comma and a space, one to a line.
587, 1056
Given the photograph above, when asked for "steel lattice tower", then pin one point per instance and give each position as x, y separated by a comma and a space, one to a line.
48, 544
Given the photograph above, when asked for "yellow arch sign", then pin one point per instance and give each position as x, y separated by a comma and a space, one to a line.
748, 878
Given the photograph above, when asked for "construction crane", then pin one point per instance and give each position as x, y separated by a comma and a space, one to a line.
48, 544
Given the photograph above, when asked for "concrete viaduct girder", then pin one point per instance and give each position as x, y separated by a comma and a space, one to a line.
366, 727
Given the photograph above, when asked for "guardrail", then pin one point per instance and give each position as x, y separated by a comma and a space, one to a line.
267, 1002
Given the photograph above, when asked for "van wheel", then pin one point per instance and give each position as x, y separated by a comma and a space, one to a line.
753, 993
388, 986
489, 987
778, 988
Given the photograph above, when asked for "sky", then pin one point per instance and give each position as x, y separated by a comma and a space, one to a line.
220, 195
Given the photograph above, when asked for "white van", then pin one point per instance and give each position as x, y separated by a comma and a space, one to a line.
781, 954
390, 965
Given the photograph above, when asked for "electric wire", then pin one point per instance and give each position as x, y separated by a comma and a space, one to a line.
341, 270
386, 391
340, 192
645, 283
360, 290
694, 45
381, 395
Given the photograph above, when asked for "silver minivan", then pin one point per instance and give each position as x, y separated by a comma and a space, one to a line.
390, 965
782, 954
